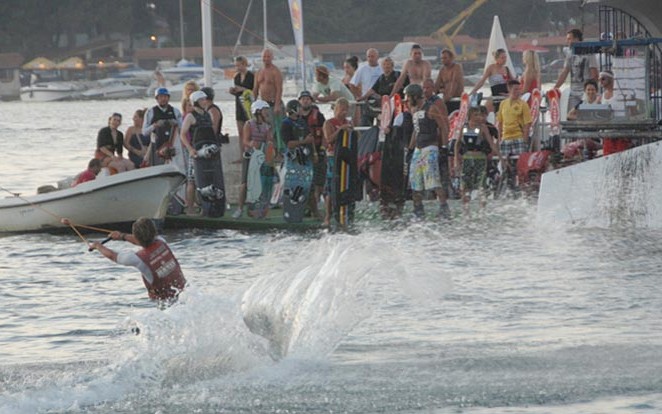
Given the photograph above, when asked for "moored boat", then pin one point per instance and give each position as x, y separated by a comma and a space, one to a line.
114, 89
49, 92
109, 201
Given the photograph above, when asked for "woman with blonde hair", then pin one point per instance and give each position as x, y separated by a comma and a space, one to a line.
531, 77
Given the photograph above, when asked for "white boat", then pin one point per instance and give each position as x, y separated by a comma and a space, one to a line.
114, 89
49, 91
108, 201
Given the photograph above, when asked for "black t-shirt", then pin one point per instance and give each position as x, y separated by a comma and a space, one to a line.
384, 85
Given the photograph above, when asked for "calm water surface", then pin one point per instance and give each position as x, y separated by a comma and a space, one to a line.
493, 315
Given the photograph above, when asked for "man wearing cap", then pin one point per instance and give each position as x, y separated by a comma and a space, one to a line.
329, 89
161, 124
315, 121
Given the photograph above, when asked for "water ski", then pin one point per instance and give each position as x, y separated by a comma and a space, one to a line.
385, 117
346, 179
394, 169
536, 97
260, 181
297, 183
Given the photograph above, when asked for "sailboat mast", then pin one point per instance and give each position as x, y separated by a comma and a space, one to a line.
264, 22
205, 12
181, 27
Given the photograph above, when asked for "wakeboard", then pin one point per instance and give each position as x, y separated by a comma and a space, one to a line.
209, 178
554, 105
394, 168
345, 179
260, 181
297, 183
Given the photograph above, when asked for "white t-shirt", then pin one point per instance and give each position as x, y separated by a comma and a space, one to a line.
366, 76
333, 86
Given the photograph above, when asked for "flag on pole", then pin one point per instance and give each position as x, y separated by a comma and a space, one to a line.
296, 15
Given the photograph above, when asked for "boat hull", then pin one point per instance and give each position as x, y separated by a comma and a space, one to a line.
48, 92
111, 201
619, 190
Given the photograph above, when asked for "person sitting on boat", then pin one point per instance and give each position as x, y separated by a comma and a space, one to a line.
450, 80
110, 144
315, 121
591, 96
93, 169
137, 143
499, 75
415, 70
257, 133
471, 152
580, 68
513, 122
333, 128
161, 124
161, 273
429, 163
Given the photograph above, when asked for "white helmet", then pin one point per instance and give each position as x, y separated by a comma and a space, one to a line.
196, 96
258, 105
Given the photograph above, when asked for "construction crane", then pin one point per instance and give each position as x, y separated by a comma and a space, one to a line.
441, 34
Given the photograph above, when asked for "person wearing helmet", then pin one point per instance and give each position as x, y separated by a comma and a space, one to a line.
428, 169
257, 134
294, 130
197, 120
160, 124
214, 111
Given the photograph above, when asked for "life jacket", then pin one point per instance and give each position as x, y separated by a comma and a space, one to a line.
258, 131
202, 131
473, 141
167, 277
163, 134
314, 126
426, 128
220, 122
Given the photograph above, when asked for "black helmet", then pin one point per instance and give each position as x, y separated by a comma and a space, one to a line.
209, 92
292, 107
414, 90
305, 94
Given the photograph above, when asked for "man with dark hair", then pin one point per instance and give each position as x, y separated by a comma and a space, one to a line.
416, 69
450, 80
161, 273
580, 68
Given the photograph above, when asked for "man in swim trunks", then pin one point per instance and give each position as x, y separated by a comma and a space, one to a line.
269, 88
415, 69
429, 143
450, 80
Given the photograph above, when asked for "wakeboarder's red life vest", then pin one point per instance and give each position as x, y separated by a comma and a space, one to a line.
167, 277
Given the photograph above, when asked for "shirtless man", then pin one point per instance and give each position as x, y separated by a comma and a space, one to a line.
450, 80
269, 83
415, 68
